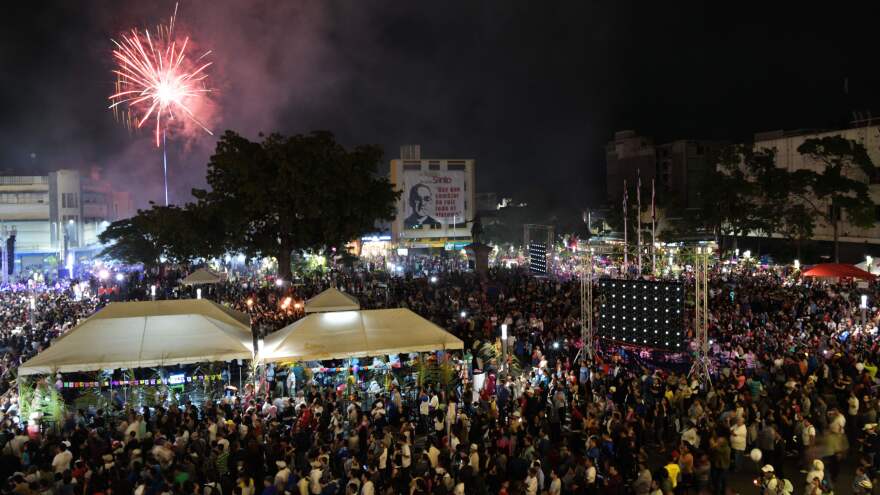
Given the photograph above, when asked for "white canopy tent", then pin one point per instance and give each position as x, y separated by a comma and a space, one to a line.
332, 300
202, 276
875, 266
146, 334
348, 334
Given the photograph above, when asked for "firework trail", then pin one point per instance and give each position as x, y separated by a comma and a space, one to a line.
155, 78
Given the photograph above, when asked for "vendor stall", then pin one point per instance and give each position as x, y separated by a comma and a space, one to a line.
332, 300
348, 334
145, 334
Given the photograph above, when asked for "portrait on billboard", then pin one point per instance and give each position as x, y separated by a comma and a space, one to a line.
433, 199
420, 201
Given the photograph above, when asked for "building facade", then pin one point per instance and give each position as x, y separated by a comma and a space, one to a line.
626, 157
63, 208
786, 143
437, 200
678, 167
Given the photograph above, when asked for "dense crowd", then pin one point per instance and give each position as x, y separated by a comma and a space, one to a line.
792, 403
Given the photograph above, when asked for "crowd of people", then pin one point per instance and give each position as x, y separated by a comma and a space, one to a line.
792, 403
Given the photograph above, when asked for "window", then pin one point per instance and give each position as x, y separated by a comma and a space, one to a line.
23, 198
94, 198
412, 166
455, 165
68, 200
19, 180
434, 165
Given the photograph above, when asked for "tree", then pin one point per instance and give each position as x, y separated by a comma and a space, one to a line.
841, 184
301, 192
133, 240
179, 234
777, 210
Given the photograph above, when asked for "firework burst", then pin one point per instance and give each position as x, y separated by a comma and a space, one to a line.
155, 78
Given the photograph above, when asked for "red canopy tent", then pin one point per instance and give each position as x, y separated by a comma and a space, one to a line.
838, 270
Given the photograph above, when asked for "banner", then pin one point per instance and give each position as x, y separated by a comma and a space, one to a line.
433, 199
172, 380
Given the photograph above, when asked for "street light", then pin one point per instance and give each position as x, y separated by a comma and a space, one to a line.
797, 264
433, 279
503, 345
279, 282
120, 277
103, 274
464, 314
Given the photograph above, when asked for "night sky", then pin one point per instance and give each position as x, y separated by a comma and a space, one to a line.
532, 90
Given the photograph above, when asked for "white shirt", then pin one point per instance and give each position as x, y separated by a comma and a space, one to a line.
738, 437
282, 476
315, 481
837, 424
853, 403
61, 462
591, 475
433, 456
531, 485
132, 428
556, 487
808, 435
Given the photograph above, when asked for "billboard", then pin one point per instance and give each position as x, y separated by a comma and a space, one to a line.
433, 199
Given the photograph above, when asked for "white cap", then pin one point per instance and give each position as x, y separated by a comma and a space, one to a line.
767, 468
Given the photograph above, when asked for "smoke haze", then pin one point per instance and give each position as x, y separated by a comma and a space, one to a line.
531, 90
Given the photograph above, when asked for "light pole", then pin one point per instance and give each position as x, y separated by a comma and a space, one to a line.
864, 307
503, 345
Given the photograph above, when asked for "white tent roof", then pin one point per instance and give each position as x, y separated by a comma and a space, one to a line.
202, 276
145, 334
347, 334
332, 300
875, 265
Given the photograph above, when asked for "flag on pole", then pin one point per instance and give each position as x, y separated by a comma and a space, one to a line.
625, 244
639, 218
653, 232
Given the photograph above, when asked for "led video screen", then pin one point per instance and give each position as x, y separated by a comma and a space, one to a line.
643, 313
